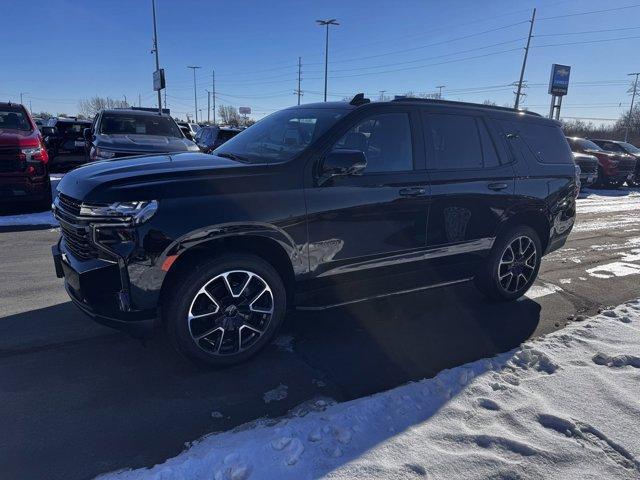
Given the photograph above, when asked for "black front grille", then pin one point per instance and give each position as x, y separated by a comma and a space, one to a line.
78, 241
627, 165
588, 167
70, 205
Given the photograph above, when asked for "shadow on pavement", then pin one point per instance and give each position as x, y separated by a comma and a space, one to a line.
82, 399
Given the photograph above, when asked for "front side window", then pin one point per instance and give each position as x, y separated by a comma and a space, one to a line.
123, 124
13, 117
280, 136
385, 140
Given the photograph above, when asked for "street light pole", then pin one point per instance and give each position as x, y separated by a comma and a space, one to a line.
195, 94
21, 94
326, 24
155, 50
440, 87
633, 97
213, 95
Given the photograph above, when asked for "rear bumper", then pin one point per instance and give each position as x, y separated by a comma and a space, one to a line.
22, 187
95, 288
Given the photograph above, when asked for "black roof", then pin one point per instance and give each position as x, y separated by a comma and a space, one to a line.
129, 111
606, 140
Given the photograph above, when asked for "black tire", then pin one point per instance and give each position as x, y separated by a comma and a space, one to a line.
488, 278
635, 180
187, 294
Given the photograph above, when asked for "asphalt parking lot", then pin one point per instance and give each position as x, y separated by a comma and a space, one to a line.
78, 399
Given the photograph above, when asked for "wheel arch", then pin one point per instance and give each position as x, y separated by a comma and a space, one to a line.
273, 249
536, 219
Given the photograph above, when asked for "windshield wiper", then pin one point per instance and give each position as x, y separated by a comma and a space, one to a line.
233, 156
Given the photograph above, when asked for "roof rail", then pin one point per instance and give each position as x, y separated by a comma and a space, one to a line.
463, 104
358, 99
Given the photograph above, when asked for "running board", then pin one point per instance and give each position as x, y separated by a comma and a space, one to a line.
384, 295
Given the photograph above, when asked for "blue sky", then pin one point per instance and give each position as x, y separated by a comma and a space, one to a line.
64, 50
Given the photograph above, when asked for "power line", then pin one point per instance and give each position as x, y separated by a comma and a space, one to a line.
585, 41
590, 12
586, 32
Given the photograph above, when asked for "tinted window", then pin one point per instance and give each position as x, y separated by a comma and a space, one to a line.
613, 147
281, 135
582, 145
546, 142
114, 123
384, 139
13, 117
456, 142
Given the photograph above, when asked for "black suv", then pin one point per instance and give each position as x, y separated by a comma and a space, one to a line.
210, 138
314, 206
64, 140
124, 133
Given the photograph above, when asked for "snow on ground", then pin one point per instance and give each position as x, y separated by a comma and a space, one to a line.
622, 205
563, 406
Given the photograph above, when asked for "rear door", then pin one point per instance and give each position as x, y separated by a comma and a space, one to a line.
472, 185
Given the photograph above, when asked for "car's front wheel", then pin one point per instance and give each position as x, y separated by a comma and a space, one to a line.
226, 309
512, 266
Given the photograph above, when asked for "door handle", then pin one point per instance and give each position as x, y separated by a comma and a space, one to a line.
497, 186
412, 191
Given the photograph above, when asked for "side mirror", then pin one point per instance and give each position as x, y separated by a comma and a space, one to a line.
86, 133
341, 163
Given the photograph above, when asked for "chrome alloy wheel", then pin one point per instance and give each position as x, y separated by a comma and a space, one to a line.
230, 312
517, 264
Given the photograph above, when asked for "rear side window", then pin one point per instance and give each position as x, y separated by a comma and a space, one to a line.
546, 142
459, 142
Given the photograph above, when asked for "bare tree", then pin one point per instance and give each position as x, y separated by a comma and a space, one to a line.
89, 107
229, 115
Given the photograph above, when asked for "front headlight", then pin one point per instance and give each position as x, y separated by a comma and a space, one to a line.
137, 212
101, 153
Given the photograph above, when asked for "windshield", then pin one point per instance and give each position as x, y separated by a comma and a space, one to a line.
118, 124
66, 128
630, 148
13, 117
280, 136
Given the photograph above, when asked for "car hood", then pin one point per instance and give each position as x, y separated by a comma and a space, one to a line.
152, 177
134, 143
17, 138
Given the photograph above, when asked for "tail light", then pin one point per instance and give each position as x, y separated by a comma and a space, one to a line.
35, 158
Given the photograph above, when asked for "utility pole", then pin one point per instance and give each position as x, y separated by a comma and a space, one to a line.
30, 107
326, 24
208, 106
633, 97
139, 101
155, 50
440, 87
298, 91
200, 110
21, 94
382, 92
195, 95
213, 94
524, 61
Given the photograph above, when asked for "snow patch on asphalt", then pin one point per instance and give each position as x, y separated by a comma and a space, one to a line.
277, 394
561, 406
615, 269
537, 291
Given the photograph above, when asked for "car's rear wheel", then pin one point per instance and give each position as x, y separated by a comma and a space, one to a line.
225, 310
512, 266
635, 180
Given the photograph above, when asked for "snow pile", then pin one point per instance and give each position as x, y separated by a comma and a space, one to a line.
563, 406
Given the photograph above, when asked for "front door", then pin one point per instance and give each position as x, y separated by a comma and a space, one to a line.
364, 228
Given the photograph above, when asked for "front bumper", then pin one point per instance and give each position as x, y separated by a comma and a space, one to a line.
22, 187
96, 288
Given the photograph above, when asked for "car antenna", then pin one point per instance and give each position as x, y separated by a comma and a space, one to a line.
359, 99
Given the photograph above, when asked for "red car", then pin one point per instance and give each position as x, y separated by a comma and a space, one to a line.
614, 168
24, 173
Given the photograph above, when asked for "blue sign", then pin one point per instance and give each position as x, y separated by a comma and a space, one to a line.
559, 81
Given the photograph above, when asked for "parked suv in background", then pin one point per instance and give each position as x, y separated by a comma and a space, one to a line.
623, 147
64, 140
210, 138
613, 168
191, 128
313, 207
124, 133
24, 173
